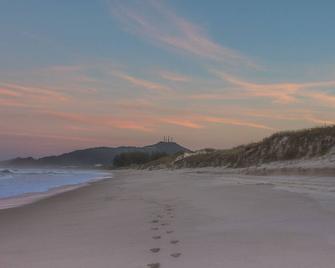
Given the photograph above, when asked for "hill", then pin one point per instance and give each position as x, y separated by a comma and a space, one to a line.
101, 156
282, 146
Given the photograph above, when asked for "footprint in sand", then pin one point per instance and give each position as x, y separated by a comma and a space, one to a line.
154, 265
174, 241
155, 250
156, 237
175, 255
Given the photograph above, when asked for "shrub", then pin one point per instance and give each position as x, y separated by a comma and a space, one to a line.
135, 158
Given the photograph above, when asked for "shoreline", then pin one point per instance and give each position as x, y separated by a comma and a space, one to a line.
266, 170
260, 171
29, 198
180, 218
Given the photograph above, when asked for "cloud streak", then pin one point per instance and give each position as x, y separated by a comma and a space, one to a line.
182, 122
20, 90
7, 92
281, 92
172, 76
235, 122
159, 24
47, 136
322, 97
106, 121
142, 83
199, 121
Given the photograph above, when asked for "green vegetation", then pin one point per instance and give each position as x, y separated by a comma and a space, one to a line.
281, 146
135, 158
211, 158
99, 157
163, 162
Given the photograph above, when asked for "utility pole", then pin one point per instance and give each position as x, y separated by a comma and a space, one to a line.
167, 139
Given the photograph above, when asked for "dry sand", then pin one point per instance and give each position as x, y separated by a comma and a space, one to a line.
184, 218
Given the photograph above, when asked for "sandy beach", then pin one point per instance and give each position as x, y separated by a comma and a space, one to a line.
183, 218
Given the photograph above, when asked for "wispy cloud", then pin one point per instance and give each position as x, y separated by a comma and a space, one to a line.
20, 90
158, 23
320, 120
280, 92
291, 115
11, 103
107, 121
142, 83
235, 122
172, 76
227, 95
187, 123
322, 97
7, 92
199, 121
46, 136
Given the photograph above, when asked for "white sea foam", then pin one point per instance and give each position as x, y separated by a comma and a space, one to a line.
17, 182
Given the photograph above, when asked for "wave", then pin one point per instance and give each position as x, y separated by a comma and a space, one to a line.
6, 172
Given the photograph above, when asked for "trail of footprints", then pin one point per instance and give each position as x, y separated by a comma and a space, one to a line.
160, 225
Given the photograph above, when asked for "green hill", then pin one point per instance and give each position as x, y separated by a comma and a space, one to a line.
282, 146
94, 156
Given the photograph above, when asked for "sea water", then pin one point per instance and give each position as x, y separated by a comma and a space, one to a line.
17, 182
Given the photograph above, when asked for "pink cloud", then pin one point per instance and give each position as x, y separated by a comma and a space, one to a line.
197, 121
236, 122
280, 92
107, 121
227, 95
322, 97
36, 91
11, 103
320, 121
171, 76
141, 82
10, 93
47, 136
161, 25
181, 122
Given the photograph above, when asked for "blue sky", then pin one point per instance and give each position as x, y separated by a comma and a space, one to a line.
211, 73
276, 32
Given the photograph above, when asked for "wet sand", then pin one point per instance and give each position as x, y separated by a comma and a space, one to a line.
181, 218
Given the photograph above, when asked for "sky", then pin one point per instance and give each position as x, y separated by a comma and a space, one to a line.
218, 73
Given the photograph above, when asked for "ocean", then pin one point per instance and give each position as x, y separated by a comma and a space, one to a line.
18, 182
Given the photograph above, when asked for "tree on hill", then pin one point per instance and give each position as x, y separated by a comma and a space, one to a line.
135, 158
